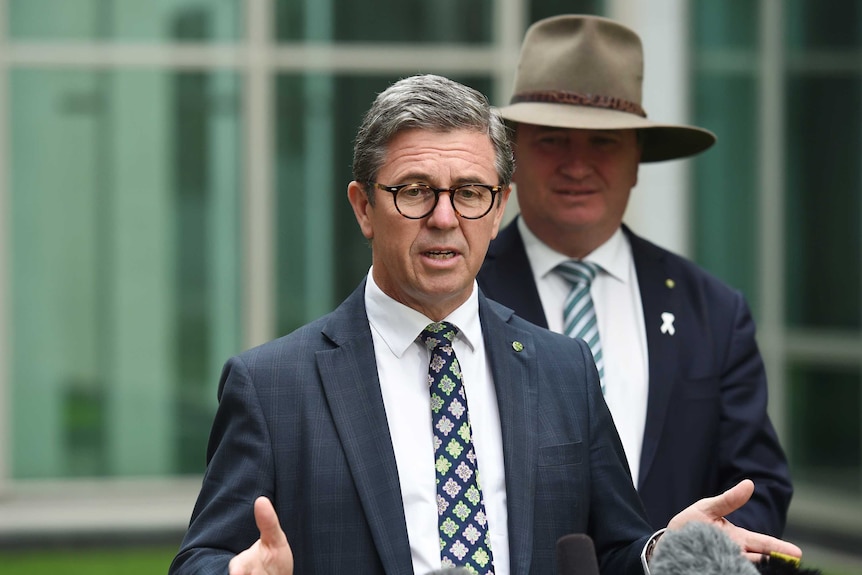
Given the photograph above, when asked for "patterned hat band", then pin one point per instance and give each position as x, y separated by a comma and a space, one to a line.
575, 99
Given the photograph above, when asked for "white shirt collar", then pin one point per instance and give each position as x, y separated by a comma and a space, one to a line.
613, 256
399, 325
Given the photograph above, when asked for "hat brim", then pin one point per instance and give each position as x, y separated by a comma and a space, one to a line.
662, 141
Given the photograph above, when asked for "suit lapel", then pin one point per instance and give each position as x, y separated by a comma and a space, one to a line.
656, 298
349, 376
512, 363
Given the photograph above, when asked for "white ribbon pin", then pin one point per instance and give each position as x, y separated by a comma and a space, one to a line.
667, 323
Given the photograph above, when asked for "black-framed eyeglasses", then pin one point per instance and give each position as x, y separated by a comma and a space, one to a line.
416, 201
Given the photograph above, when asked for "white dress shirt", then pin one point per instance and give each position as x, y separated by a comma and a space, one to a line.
619, 312
402, 366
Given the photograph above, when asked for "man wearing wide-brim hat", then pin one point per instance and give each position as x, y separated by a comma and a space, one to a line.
675, 346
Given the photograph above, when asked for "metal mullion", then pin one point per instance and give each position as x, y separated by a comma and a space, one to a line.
385, 58
5, 263
510, 22
770, 243
124, 55
258, 238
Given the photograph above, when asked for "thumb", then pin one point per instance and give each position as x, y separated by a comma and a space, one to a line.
271, 534
729, 501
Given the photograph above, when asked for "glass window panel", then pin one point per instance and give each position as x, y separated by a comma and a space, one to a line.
819, 25
410, 21
321, 252
183, 20
730, 24
824, 186
125, 273
725, 194
540, 9
825, 447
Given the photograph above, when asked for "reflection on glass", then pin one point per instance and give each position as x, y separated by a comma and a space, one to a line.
823, 25
539, 9
726, 25
824, 201
825, 419
725, 191
178, 20
410, 21
124, 267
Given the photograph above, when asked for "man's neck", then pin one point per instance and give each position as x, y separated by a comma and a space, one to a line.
574, 243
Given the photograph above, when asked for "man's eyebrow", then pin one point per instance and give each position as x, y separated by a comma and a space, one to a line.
413, 178
419, 178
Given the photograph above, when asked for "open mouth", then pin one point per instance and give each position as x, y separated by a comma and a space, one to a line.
440, 255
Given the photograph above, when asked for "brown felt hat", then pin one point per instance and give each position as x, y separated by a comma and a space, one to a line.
587, 72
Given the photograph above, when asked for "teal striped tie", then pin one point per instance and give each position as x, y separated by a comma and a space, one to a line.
579, 315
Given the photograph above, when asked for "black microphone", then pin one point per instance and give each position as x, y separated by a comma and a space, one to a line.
699, 549
777, 565
576, 555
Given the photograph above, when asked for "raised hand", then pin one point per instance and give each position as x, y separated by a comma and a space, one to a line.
713, 509
269, 555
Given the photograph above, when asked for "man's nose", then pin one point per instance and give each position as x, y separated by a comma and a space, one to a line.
576, 164
444, 214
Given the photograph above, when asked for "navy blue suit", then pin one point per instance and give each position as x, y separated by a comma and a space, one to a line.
302, 421
706, 424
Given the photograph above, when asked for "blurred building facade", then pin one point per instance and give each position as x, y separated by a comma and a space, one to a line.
172, 190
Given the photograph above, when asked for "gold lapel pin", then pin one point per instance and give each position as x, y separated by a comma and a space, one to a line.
517, 346
669, 283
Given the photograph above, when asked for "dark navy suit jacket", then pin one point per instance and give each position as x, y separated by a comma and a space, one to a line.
302, 421
706, 425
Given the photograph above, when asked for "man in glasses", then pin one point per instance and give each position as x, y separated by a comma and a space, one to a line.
420, 425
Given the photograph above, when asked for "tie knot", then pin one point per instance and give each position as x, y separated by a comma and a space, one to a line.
577, 271
439, 333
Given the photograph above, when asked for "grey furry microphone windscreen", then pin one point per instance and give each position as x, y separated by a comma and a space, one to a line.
699, 549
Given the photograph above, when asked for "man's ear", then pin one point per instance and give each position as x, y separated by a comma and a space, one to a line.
361, 208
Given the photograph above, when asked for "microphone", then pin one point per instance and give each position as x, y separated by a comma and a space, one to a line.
778, 564
699, 549
576, 555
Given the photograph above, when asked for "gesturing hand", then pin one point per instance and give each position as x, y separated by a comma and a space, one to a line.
269, 555
713, 509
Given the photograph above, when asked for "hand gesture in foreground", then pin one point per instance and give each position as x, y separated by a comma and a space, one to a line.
271, 554
713, 509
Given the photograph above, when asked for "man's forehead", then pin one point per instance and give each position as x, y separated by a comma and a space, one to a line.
420, 140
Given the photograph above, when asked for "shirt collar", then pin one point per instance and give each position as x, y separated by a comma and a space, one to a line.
399, 325
614, 256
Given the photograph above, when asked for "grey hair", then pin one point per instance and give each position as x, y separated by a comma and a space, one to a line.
427, 102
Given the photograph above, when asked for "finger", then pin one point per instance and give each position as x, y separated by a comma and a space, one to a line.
271, 534
730, 500
764, 545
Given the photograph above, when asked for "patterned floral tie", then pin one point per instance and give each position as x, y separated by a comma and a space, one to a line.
464, 540
579, 315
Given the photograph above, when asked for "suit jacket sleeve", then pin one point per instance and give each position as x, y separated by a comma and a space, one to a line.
707, 423
239, 469
748, 442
